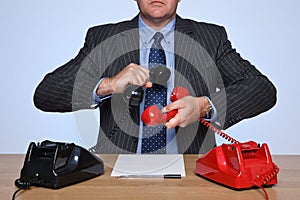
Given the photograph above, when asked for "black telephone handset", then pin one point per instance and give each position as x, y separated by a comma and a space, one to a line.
133, 94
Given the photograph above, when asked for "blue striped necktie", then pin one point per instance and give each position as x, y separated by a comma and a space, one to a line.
154, 138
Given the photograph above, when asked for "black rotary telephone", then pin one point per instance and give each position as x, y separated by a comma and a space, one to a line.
56, 165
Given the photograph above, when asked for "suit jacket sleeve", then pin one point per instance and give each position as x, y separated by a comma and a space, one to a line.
248, 91
70, 86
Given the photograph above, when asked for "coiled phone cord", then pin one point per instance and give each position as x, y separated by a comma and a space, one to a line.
263, 179
221, 133
109, 135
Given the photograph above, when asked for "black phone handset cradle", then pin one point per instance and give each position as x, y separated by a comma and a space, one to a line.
55, 165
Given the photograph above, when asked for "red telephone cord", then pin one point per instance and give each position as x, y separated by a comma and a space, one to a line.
263, 179
221, 133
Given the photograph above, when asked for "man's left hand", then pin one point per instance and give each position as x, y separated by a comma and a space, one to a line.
189, 109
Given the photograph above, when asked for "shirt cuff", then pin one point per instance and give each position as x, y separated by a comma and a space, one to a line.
214, 116
97, 100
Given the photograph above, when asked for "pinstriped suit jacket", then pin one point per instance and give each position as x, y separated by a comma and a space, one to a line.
205, 63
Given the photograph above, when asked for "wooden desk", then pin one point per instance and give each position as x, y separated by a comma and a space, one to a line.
189, 187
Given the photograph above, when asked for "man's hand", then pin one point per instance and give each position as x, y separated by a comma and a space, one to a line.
132, 74
189, 109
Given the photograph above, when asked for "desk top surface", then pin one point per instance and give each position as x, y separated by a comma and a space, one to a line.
189, 187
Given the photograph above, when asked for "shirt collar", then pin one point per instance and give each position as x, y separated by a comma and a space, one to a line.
147, 33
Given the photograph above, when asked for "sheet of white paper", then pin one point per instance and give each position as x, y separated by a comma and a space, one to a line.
141, 164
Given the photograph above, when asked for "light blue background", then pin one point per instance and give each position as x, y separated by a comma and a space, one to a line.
38, 36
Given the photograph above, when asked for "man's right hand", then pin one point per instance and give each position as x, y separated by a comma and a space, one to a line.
132, 74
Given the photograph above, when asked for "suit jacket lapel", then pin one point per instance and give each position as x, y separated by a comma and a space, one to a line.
128, 42
182, 37
182, 26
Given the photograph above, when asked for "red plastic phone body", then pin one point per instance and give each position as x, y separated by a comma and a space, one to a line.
239, 166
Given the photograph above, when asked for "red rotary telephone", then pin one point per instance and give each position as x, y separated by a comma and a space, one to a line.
238, 165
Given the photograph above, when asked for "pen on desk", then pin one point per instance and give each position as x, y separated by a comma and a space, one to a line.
172, 176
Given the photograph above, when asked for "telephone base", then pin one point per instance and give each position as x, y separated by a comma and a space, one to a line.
238, 166
56, 165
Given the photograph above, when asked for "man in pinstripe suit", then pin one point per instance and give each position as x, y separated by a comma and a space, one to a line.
200, 57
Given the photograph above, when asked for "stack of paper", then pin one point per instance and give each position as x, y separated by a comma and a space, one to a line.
149, 165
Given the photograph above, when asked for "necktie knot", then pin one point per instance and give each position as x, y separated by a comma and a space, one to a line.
158, 36
157, 55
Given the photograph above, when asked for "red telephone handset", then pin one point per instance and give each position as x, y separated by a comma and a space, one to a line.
238, 165
153, 116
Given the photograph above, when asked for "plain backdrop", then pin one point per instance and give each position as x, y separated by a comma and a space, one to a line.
39, 36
